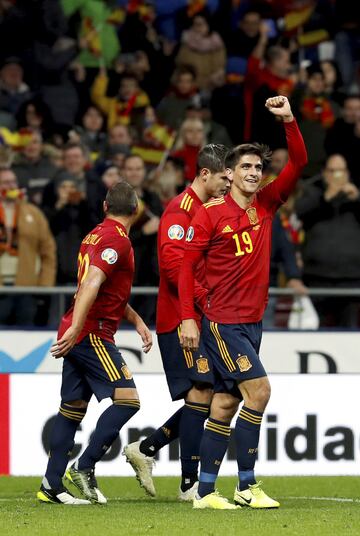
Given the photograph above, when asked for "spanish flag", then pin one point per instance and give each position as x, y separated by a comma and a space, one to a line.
298, 17
15, 140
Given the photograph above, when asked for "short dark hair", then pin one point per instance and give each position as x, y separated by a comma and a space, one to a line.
121, 199
212, 157
258, 149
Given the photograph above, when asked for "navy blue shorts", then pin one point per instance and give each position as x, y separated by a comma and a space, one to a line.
183, 369
234, 352
94, 366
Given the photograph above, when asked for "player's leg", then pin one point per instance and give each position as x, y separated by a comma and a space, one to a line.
215, 441
255, 391
75, 395
108, 376
189, 377
191, 429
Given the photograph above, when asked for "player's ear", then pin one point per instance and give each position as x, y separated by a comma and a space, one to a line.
204, 174
105, 207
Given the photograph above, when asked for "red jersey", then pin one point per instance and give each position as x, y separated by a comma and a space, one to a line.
236, 246
173, 227
109, 248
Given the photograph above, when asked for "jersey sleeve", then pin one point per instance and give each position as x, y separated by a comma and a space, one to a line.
172, 243
197, 241
109, 254
277, 192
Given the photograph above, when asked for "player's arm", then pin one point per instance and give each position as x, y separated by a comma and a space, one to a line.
281, 188
134, 318
85, 297
174, 226
196, 245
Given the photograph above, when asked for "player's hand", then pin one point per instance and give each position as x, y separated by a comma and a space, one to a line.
189, 335
64, 345
145, 335
280, 107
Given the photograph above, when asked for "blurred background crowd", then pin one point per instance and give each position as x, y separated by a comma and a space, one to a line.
93, 92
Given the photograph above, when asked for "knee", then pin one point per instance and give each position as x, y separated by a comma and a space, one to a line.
200, 393
258, 396
223, 407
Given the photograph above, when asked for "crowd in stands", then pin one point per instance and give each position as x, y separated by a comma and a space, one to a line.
93, 92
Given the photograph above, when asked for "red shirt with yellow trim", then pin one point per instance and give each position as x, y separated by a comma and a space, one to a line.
173, 227
109, 248
236, 246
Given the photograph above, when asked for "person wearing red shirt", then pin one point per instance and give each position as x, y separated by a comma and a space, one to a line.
233, 235
189, 374
92, 363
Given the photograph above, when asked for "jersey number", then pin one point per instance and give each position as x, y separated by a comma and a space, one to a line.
83, 267
246, 242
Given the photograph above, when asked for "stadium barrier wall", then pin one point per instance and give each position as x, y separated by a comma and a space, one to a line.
281, 352
305, 430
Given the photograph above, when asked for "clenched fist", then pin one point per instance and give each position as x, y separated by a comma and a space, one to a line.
280, 107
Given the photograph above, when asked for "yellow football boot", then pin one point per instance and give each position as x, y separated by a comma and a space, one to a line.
254, 497
214, 501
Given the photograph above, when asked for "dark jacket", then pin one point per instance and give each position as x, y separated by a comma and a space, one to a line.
332, 233
282, 254
69, 225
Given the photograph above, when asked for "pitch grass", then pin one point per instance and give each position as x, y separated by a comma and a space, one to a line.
309, 506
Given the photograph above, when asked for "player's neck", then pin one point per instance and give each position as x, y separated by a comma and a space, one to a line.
124, 220
242, 200
199, 188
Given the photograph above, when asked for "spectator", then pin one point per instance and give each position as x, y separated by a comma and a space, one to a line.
120, 135
329, 208
111, 176
90, 133
204, 50
342, 138
13, 90
144, 234
127, 107
191, 139
227, 101
283, 261
316, 114
214, 132
35, 114
69, 222
333, 81
75, 168
261, 82
242, 41
34, 168
27, 251
183, 92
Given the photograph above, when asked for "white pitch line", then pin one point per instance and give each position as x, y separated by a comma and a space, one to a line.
333, 499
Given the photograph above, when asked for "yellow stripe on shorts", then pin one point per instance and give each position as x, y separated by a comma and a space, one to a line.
224, 352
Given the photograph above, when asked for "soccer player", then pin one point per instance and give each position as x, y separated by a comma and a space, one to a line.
188, 374
92, 364
233, 235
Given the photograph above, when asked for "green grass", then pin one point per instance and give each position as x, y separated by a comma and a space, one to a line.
129, 512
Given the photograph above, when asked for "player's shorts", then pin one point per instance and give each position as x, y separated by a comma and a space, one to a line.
183, 369
94, 366
233, 350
